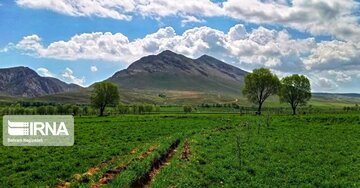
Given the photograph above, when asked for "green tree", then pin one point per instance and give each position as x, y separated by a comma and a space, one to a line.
85, 110
295, 90
41, 110
104, 94
50, 110
75, 110
259, 85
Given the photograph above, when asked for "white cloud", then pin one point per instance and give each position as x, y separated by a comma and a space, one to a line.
124, 9
45, 72
107, 9
334, 55
319, 17
161, 8
93, 68
4, 50
31, 42
191, 19
262, 47
323, 84
340, 76
68, 76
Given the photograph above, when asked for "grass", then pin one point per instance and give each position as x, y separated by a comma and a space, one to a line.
320, 151
226, 150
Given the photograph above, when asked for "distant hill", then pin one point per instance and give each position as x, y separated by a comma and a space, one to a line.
24, 82
339, 95
169, 71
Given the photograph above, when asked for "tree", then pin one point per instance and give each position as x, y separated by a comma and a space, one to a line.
104, 94
259, 85
295, 90
41, 110
75, 110
50, 110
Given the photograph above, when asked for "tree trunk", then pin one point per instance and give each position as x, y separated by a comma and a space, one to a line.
259, 109
294, 110
102, 111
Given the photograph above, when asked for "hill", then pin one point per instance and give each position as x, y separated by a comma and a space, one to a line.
168, 72
24, 82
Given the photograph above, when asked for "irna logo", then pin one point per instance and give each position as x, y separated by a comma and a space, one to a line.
37, 128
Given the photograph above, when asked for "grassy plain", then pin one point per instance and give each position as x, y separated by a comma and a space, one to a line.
224, 150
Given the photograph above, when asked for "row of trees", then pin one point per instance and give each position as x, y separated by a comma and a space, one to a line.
261, 84
137, 108
46, 110
352, 108
68, 109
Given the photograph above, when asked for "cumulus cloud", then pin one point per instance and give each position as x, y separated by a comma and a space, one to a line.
107, 9
261, 47
334, 61
334, 55
319, 17
68, 76
124, 9
44, 72
93, 68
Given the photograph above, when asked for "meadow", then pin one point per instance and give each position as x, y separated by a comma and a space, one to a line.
194, 150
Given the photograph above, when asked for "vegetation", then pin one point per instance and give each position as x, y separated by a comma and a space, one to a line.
219, 144
259, 85
225, 150
295, 90
137, 108
104, 94
187, 109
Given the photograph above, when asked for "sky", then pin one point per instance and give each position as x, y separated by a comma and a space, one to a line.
86, 41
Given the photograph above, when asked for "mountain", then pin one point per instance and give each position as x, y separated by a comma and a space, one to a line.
169, 71
24, 82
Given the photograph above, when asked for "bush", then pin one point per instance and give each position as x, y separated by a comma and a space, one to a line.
187, 109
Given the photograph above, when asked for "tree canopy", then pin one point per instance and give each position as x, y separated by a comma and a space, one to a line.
295, 90
259, 85
104, 93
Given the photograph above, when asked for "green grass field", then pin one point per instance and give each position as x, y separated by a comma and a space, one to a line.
215, 150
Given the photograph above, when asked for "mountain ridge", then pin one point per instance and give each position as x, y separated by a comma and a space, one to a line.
24, 82
171, 71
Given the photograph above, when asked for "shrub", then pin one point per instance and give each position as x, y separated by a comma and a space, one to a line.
187, 109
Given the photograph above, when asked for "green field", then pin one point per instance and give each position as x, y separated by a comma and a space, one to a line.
215, 150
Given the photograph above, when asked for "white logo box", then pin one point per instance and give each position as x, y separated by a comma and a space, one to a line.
38, 130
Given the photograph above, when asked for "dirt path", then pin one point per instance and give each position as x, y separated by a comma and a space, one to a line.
186, 151
156, 166
110, 174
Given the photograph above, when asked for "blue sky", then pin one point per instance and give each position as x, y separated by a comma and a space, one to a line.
65, 39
